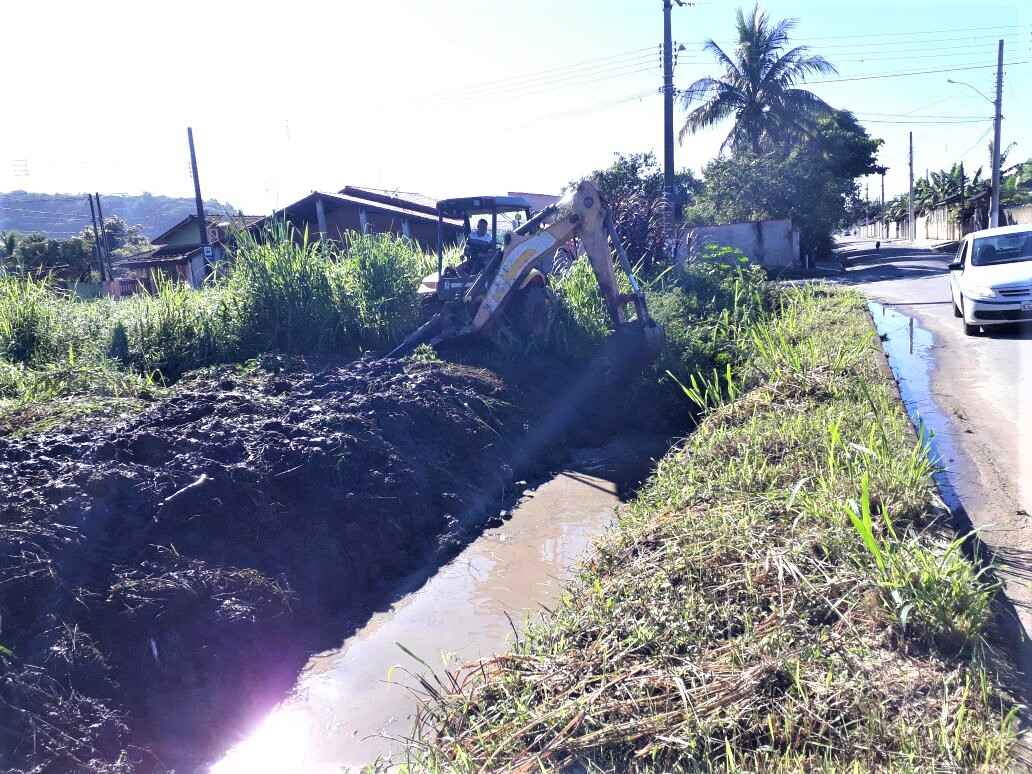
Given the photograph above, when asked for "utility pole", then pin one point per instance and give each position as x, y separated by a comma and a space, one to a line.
202, 223
994, 202
96, 239
104, 237
910, 196
668, 121
885, 223
867, 202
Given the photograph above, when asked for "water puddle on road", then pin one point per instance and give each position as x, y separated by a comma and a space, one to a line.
347, 702
908, 348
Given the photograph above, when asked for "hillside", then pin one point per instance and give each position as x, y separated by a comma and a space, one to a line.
65, 215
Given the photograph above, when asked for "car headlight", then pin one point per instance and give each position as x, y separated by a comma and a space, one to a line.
981, 291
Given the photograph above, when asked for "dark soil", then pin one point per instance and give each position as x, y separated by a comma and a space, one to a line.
164, 576
162, 579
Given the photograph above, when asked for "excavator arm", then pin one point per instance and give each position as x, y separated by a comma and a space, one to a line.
582, 213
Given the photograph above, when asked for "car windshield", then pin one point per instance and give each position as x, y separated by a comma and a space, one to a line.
1005, 248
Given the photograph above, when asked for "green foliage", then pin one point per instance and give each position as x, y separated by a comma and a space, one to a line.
290, 294
704, 307
582, 320
26, 319
382, 273
283, 293
117, 236
634, 188
936, 595
178, 329
8, 243
425, 353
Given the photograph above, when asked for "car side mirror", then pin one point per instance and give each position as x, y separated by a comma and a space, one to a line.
956, 266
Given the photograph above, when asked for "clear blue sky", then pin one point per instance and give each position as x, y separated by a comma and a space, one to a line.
452, 96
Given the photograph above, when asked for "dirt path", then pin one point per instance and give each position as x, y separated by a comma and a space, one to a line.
976, 393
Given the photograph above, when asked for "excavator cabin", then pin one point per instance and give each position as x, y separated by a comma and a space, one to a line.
452, 283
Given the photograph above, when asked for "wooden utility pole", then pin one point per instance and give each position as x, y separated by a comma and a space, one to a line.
96, 239
911, 232
668, 121
105, 241
202, 223
994, 202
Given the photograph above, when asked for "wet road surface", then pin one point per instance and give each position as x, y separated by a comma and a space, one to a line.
349, 702
974, 393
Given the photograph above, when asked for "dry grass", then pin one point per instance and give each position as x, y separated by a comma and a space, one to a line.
736, 620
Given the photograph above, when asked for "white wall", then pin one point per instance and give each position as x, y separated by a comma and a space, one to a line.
772, 243
1017, 215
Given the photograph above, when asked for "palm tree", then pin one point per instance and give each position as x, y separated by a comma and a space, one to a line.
758, 87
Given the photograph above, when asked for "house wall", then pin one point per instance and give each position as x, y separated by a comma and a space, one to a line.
346, 218
771, 243
187, 235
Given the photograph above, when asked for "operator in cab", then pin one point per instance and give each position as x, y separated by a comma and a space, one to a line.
479, 249
481, 235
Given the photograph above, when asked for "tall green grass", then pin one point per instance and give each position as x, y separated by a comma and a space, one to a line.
26, 318
283, 292
289, 293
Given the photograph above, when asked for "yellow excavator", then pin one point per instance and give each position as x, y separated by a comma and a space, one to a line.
500, 281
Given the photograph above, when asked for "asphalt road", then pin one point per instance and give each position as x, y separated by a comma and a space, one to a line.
979, 404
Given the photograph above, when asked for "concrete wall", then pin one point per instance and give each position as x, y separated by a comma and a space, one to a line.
772, 243
1017, 215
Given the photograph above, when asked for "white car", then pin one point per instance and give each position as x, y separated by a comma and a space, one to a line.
991, 278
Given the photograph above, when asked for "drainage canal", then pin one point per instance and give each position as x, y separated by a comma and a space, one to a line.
353, 704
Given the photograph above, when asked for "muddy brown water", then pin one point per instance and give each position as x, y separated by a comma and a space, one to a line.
353, 704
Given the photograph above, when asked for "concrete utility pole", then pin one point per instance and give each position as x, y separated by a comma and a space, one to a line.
668, 120
96, 239
885, 223
910, 197
201, 221
994, 202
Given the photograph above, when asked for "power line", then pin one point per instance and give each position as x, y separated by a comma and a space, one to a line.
911, 115
911, 33
520, 89
924, 123
558, 71
916, 72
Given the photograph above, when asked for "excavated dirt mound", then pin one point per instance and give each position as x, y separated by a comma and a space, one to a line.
162, 579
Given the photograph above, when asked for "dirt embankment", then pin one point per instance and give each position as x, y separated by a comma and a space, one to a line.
164, 578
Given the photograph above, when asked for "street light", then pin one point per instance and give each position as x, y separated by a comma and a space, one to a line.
994, 201
977, 91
